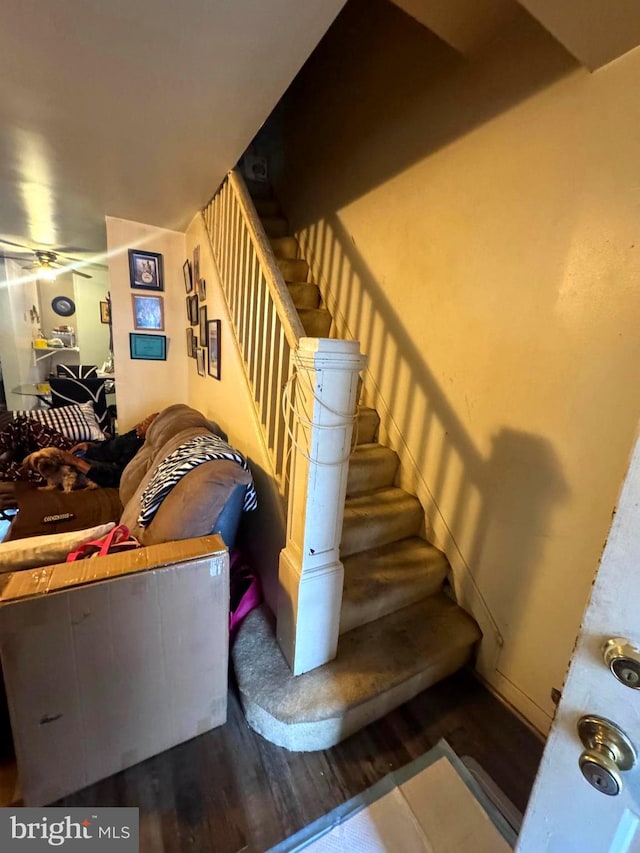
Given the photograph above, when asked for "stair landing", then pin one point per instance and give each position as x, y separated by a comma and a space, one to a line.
379, 666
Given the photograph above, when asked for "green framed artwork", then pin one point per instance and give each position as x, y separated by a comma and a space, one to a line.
148, 347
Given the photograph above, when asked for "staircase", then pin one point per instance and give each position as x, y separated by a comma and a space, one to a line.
399, 632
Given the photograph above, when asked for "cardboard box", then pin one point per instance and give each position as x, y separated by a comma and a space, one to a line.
112, 660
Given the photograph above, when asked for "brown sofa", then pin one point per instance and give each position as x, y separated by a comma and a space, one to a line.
207, 500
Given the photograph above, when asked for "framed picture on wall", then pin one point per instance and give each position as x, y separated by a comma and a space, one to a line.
213, 339
203, 326
191, 350
147, 347
193, 310
148, 312
201, 361
186, 271
145, 270
202, 289
105, 314
196, 264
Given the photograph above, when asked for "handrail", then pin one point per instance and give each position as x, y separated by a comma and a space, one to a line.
266, 324
287, 313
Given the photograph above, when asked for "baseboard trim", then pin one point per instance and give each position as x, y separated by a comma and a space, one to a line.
531, 715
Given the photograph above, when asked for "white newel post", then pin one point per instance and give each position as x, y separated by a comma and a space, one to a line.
311, 574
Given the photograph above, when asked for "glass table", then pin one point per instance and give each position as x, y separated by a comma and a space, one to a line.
41, 390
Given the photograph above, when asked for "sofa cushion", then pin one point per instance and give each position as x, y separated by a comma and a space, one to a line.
37, 551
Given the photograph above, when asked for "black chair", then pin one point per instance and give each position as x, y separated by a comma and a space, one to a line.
70, 392
77, 371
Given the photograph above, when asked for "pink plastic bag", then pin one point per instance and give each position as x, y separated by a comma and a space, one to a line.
245, 591
117, 540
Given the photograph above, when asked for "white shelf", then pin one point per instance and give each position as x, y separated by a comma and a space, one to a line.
48, 352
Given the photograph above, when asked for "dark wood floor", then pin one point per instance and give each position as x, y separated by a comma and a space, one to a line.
230, 790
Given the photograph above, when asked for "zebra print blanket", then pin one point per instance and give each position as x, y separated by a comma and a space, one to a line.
202, 448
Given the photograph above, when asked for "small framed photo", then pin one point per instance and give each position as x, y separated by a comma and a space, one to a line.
191, 351
196, 264
145, 270
148, 312
105, 313
202, 289
203, 326
148, 347
193, 310
201, 361
186, 271
213, 339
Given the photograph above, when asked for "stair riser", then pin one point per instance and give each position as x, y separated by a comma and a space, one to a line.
266, 206
367, 426
304, 295
293, 269
393, 597
317, 323
308, 737
371, 531
372, 472
284, 247
275, 226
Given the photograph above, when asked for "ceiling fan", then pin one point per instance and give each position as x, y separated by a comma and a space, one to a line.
45, 261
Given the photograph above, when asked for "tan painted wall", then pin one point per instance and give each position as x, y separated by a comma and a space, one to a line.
18, 296
146, 386
92, 334
477, 228
228, 402
47, 291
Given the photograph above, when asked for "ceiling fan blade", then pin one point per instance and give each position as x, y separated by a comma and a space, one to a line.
85, 263
17, 245
70, 268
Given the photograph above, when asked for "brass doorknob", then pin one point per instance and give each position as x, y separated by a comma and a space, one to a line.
608, 752
623, 659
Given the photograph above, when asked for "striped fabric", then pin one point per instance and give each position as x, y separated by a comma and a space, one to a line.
196, 451
65, 391
76, 422
77, 371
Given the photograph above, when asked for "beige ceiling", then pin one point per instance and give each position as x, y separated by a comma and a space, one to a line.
135, 108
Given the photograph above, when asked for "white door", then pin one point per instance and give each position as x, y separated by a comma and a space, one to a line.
566, 813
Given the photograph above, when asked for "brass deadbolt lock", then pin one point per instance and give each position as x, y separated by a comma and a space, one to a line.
608, 752
623, 659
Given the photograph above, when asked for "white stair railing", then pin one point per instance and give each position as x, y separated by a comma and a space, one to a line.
264, 318
309, 440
